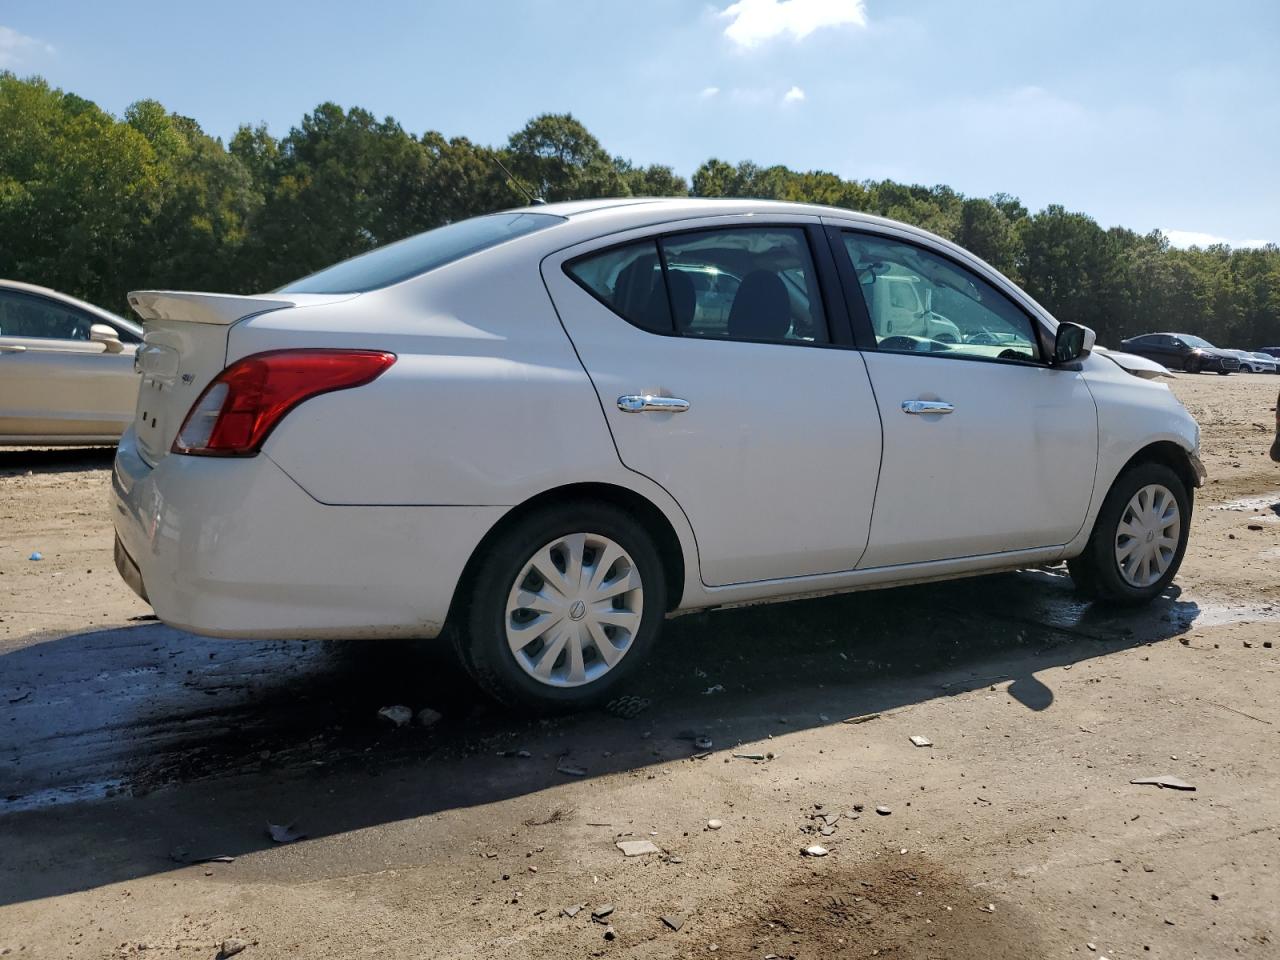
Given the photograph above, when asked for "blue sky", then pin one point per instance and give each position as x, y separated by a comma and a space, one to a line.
1147, 114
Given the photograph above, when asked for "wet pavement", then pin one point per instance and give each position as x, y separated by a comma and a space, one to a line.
134, 709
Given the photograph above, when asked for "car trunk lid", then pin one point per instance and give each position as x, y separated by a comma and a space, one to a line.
184, 347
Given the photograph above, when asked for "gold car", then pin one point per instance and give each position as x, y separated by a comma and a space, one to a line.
66, 369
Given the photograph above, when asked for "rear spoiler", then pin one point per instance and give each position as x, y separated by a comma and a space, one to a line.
222, 309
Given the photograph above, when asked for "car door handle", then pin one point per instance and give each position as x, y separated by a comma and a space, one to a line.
921, 407
651, 404
12, 348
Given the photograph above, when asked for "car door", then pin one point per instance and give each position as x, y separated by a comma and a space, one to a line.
758, 416
1149, 346
987, 448
54, 381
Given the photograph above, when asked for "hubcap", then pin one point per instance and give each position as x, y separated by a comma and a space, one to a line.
574, 610
1147, 537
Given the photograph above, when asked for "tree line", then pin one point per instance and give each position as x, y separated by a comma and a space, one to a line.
96, 205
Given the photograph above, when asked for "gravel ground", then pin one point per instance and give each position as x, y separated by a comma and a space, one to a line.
132, 751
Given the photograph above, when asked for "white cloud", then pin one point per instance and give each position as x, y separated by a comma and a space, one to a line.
1192, 238
709, 92
794, 95
753, 22
15, 47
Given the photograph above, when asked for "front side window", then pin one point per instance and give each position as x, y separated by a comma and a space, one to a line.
920, 302
24, 315
755, 283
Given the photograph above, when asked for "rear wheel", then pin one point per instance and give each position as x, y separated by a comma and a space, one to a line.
563, 608
1139, 538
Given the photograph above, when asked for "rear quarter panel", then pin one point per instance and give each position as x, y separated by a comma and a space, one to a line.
486, 405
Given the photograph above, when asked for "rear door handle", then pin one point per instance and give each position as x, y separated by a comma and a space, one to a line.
921, 407
651, 404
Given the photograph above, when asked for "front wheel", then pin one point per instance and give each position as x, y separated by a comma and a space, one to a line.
563, 607
1139, 538
1192, 365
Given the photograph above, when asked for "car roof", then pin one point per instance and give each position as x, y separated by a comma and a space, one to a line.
626, 212
20, 287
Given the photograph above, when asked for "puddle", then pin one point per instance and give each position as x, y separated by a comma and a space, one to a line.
1263, 503
1212, 614
94, 790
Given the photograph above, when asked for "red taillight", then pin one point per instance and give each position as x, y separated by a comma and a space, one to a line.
236, 412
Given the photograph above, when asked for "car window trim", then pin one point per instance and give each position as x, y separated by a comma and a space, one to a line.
860, 316
834, 312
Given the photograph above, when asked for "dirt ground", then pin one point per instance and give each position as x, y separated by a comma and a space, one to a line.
131, 753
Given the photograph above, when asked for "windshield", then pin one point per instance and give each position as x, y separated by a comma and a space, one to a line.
418, 254
1196, 341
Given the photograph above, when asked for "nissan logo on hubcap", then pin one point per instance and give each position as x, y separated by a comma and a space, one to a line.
578, 610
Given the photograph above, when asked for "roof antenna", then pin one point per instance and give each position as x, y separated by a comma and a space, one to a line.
533, 201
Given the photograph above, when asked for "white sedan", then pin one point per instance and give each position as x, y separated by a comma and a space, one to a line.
540, 432
66, 369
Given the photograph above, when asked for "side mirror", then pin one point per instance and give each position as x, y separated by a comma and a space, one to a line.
1073, 342
106, 335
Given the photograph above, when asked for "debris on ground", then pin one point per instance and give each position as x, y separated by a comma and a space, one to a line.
36, 556
602, 911
714, 824
753, 756
674, 921
20, 697
572, 910
563, 766
862, 719
180, 855
428, 718
637, 848
816, 851
989, 908
398, 714
715, 688
628, 707
610, 933
284, 833
230, 947
922, 741
1164, 782
702, 743
883, 811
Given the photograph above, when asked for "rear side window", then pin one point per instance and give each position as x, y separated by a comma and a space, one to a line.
418, 254
628, 280
753, 283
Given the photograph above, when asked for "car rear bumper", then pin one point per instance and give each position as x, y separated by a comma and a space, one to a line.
235, 548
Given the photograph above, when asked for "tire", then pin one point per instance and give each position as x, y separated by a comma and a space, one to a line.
1193, 365
594, 531
1224, 373
1097, 572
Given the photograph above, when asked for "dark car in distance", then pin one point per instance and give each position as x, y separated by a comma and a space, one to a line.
1182, 351
1270, 351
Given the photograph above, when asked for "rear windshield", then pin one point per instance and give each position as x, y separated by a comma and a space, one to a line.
418, 254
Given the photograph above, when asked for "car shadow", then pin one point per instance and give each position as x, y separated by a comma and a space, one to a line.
21, 460
202, 742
